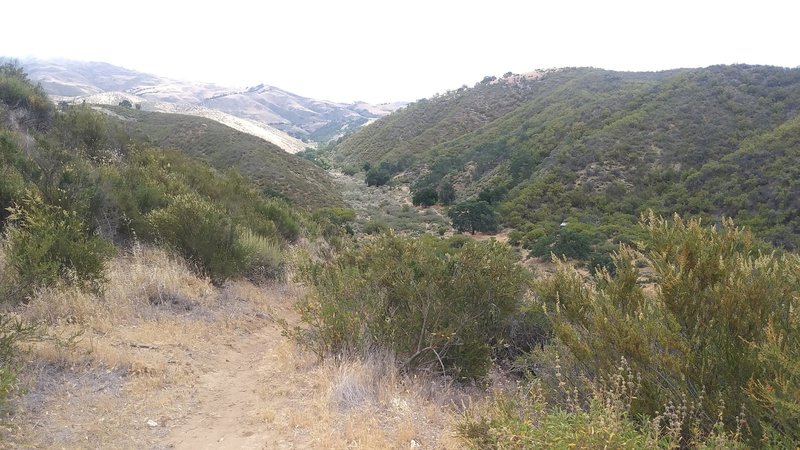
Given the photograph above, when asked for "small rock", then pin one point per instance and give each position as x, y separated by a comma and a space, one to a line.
415, 444
151, 423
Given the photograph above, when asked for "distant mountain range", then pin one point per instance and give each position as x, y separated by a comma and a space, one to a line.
288, 120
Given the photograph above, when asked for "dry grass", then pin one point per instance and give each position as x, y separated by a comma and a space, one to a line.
108, 360
206, 365
137, 282
373, 406
4, 273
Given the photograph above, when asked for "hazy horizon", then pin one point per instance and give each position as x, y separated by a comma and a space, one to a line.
379, 53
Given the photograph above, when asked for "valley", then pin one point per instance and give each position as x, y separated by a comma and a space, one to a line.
566, 258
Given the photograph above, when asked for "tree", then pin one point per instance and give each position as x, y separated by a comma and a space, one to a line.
473, 215
380, 175
447, 194
522, 164
126, 104
377, 177
425, 197
493, 195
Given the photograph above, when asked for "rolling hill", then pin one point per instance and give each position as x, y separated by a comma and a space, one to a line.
288, 120
595, 148
272, 169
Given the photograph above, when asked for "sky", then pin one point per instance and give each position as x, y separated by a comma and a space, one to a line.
384, 51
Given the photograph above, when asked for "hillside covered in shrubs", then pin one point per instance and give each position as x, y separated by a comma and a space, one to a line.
75, 182
275, 172
595, 149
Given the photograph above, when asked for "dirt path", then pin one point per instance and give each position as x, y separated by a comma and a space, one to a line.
226, 403
243, 394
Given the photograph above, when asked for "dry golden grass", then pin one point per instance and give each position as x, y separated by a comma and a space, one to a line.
371, 405
163, 358
148, 277
129, 338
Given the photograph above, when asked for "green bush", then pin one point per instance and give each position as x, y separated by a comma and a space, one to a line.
515, 237
350, 170
47, 244
446, 193
263, 257
210, 238
425, 197
375, 227
17, 91
570, 242
86, 129
12, 332
436, 307
12, 187
721, 326
334, 215
151, 178
377, 177
202, 233
334, 222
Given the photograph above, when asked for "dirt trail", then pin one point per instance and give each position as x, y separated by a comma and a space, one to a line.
226, 402
242, 395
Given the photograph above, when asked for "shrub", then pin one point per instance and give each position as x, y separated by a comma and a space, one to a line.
12, 332
202, 233
710, 325
334, 222
88, 130
564, 242
334, 215
596, 416
47, 244
263, 257
524, 331
350, 170
377, 177
375, 227
493, 195
18, 92
12, 187
572, 244
446, 193
425, 197
436, 307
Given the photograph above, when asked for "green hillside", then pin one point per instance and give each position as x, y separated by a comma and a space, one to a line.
274, 170
596, 148
75, 187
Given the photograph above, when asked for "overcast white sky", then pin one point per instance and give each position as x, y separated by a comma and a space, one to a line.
381, 51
